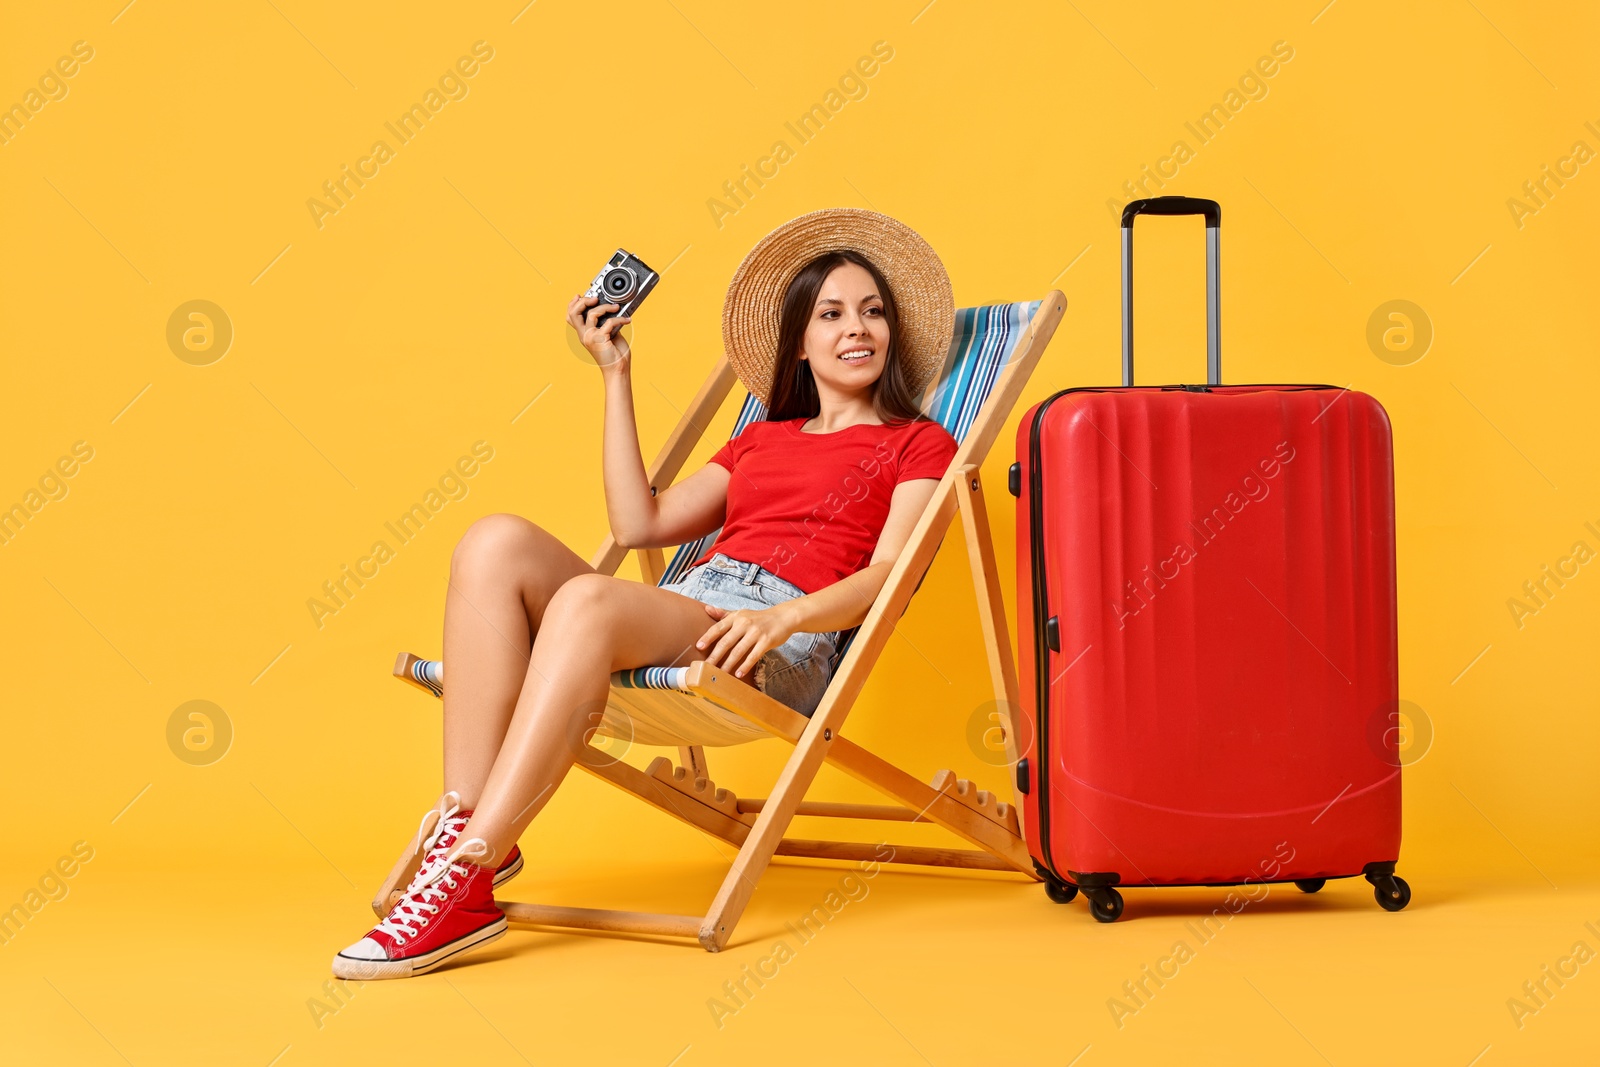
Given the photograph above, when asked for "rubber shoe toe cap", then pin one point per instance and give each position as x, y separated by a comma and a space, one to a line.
365, 949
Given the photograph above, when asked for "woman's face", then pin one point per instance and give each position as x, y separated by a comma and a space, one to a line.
847, 339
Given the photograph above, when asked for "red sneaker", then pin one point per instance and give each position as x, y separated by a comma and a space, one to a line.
448, 820
447, 910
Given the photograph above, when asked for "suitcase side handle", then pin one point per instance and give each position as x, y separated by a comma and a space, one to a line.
1176, 205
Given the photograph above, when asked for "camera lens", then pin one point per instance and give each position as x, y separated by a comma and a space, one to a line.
618, 284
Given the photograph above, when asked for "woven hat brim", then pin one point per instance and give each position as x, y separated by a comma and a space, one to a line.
915, 274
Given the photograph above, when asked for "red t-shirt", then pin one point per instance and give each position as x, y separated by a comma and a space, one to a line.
809, 507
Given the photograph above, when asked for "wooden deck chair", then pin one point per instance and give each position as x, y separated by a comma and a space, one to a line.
994, 351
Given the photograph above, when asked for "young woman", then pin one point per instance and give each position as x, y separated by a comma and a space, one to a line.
837, 320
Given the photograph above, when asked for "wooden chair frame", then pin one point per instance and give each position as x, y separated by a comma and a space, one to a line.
757, 826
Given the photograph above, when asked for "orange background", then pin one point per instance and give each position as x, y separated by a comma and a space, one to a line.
370, 352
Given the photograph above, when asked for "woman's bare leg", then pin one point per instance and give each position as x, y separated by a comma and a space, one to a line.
503, 574
595, 624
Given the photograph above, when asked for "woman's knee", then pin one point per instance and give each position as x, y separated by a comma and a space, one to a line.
583, 600
494, 541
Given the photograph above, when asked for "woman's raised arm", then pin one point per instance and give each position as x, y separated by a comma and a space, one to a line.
694, 506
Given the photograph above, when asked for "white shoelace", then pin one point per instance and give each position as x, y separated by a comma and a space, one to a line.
448, 822
428, 890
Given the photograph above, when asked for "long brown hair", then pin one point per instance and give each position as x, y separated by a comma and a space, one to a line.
794, 387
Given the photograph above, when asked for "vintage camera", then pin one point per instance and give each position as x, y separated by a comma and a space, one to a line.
625, 280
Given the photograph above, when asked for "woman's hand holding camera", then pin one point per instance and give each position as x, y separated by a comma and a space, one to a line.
738, 639
608, 347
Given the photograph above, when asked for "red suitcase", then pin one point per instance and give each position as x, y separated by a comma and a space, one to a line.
1207, 633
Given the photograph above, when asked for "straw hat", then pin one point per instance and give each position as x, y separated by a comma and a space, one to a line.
909, 264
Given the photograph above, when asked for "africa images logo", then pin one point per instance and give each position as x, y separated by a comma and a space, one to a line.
851, 488
1207, 528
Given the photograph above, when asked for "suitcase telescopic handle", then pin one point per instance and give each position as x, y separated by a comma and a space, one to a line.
1176, 205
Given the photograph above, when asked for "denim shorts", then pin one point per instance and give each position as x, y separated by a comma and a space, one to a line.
795, 673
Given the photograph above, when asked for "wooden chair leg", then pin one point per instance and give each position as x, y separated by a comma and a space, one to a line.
755, 855
992, 615
400, 874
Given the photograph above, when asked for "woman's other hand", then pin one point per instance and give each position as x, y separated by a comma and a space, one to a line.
608, 347
738, 639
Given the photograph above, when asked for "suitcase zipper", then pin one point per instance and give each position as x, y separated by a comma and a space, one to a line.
1045, 626
1041, 620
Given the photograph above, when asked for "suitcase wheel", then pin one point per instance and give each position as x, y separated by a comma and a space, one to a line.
1310, 885
1060, 892
1391, 890
1105, 903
